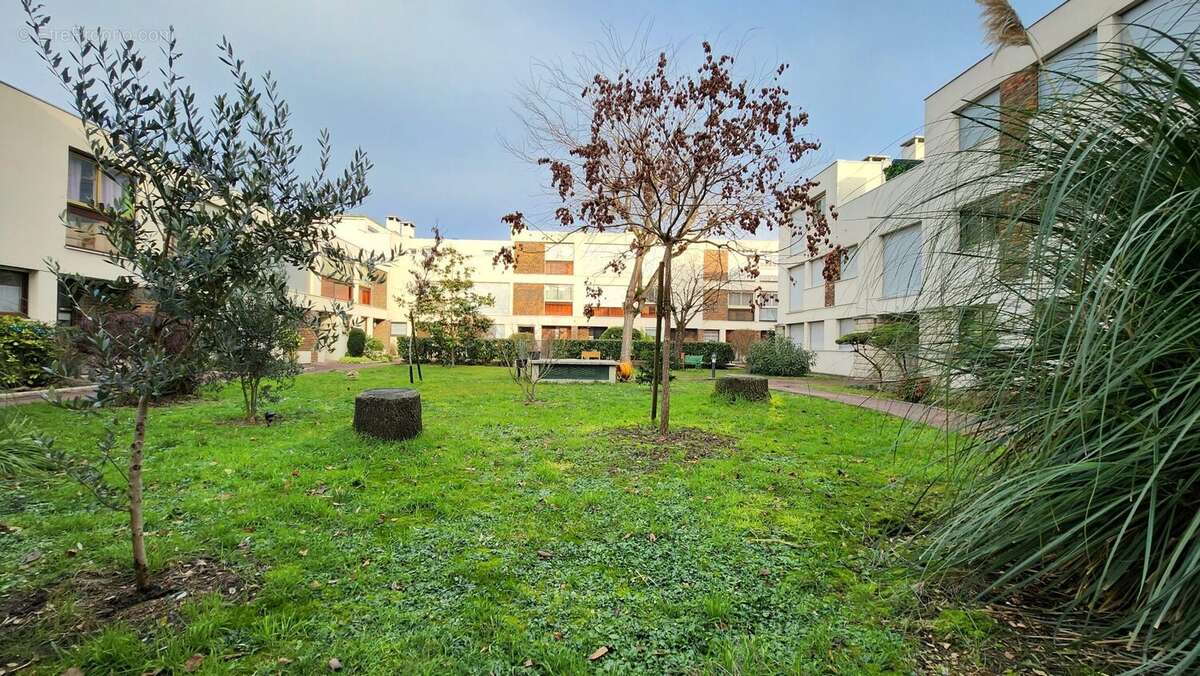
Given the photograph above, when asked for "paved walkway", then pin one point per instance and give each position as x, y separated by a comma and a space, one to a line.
927, 415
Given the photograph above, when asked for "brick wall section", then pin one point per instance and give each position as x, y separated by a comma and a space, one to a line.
379, 295
527, 299
830, 296
308, 339
716, 264
1018, 102
718, 309
383, 332
531, 259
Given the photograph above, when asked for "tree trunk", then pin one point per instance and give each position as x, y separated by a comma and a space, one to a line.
631, 305
664, 417
141, 572
658, 329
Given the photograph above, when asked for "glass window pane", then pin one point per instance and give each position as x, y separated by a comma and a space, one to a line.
903, 266
979, 121
1060, 77
816, 335
816, 271
12, 291
795, 287
81, 179
850, 263
1146, 24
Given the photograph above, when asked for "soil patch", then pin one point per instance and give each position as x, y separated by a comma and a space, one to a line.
642, 445
103, 597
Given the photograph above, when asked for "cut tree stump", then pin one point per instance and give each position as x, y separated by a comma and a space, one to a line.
750, 388
388, 413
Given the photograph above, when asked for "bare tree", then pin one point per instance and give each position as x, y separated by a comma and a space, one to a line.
676, 160
517, 361
694, 290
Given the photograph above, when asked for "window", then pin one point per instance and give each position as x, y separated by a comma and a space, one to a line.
1146, 24
560, 252
846, 326
796, 334
978, 224
741, 298
903, 264
497, 331
364, 295
849, 263
1063, 71
816, 335
769, 311
14, 292
816, 272
712, 335
65, 314
399, 328
650, 331
979, 121
337, 290
501, 294
86, 184
557, 292
795, 287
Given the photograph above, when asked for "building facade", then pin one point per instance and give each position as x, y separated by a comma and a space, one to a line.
547, 290
893, 216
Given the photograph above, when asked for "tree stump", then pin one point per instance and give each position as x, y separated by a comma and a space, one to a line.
388, 413
749, 388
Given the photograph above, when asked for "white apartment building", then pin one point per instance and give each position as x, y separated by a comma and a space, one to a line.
546, 292
880, 201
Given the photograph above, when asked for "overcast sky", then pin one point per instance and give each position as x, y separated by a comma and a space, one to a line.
428, 88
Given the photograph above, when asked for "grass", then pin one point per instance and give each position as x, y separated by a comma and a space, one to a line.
505, 535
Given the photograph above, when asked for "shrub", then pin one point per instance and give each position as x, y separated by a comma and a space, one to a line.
614, 333
356, 343
913, 389
779, 357
27, 350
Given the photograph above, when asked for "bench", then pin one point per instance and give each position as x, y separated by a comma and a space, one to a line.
589, 354
693, 360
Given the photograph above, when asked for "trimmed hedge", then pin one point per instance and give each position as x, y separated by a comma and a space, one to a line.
748, 388
493, 350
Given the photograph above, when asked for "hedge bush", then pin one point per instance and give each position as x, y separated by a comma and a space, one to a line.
356, 343
779, 357
614, 333
27, 349
492, 350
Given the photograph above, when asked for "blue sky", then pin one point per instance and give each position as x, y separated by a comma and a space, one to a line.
428, 88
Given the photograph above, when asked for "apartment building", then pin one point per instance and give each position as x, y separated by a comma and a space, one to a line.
546, 292
48, 174
886, 221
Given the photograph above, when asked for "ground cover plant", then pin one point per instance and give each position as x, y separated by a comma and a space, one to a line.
507, 537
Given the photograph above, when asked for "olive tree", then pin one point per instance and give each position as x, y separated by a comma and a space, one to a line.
214, 198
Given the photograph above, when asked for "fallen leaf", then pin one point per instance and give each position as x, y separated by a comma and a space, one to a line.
33, 555
283, 660
193, 663
543, 554
335, 664
528, 663
598, 653
653, 537
303, 552
73, 671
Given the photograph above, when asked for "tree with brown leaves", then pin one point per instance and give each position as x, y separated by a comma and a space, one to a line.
681, 159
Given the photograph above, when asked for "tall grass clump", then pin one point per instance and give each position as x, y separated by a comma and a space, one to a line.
1069, 320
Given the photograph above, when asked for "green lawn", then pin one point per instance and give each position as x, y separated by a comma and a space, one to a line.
506, 538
